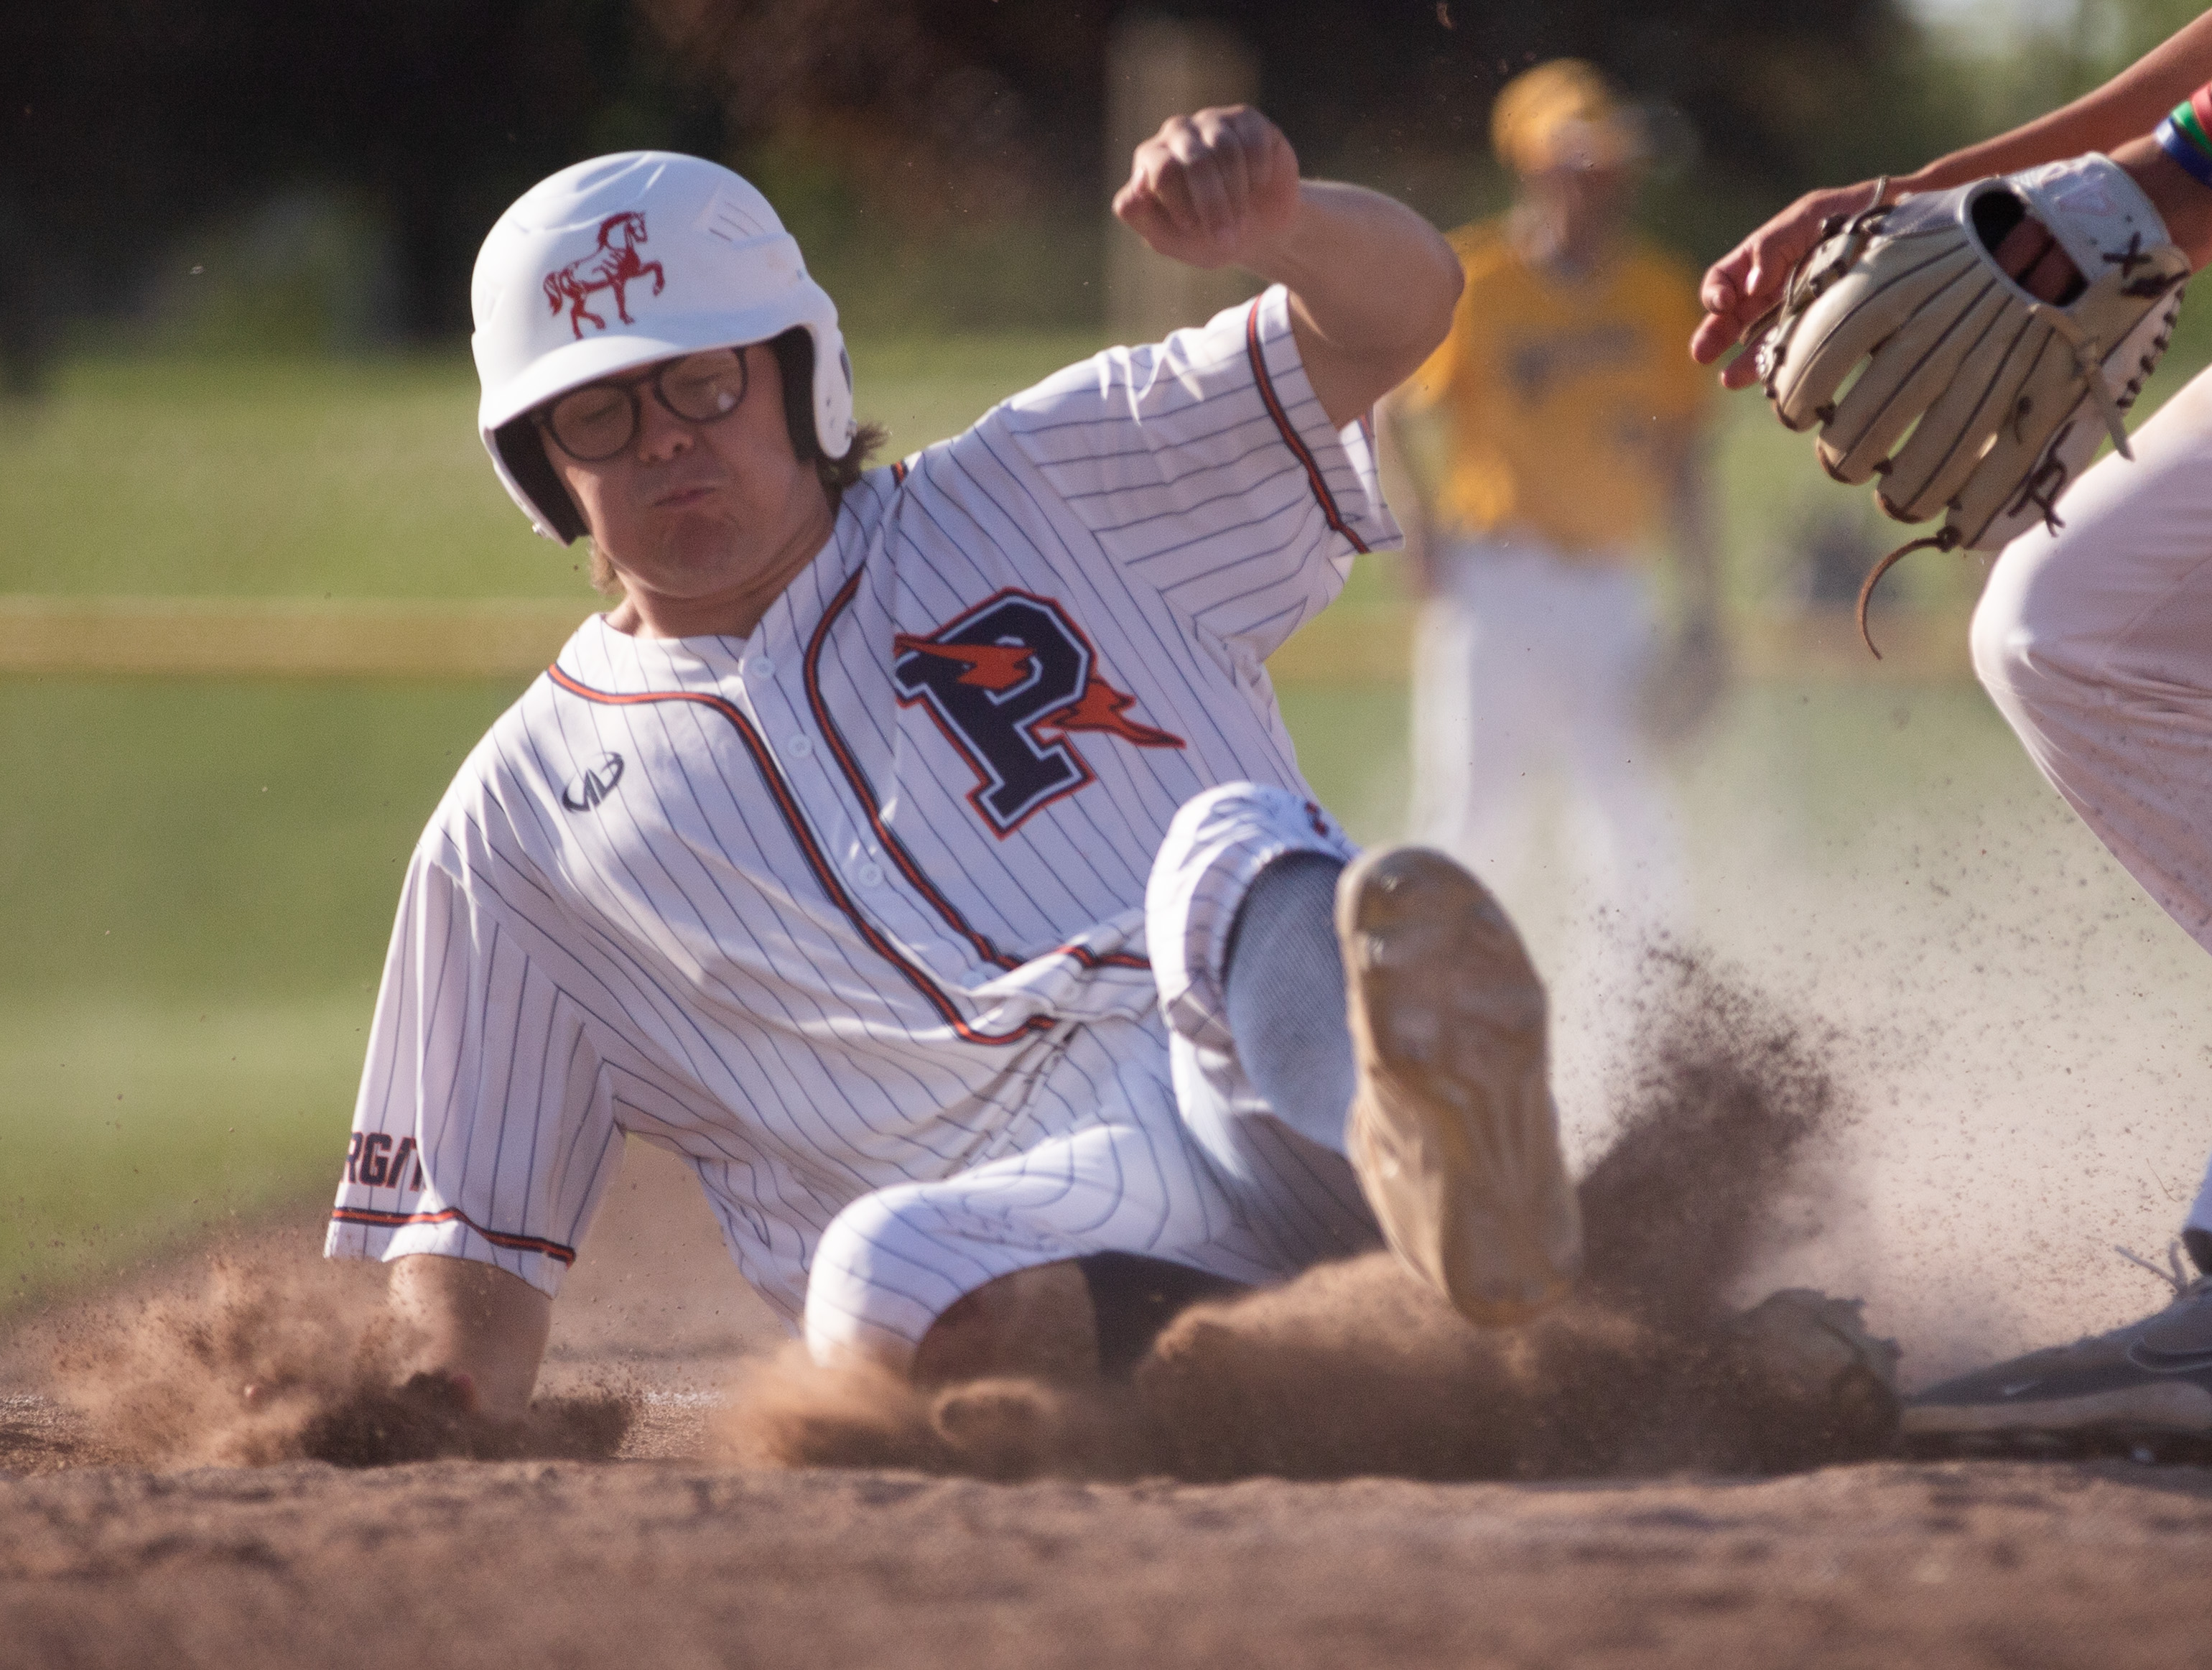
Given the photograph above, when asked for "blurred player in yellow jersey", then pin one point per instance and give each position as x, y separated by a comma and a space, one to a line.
1563, 421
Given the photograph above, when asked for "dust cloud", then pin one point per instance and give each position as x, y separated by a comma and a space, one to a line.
1355, 1368
2021, 1030
262, 1361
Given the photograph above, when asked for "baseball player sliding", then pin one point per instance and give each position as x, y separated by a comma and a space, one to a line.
2014, 318
918, 851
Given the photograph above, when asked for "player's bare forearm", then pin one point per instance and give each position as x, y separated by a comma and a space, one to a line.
2125, 107
1743, 285
1371, 284
479, 1328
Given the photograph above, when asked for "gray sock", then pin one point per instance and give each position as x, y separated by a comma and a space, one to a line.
1285, 991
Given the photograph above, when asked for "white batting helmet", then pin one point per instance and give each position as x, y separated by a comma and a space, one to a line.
617, 263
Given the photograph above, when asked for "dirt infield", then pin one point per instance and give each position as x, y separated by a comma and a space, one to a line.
671, 1566
664, 1558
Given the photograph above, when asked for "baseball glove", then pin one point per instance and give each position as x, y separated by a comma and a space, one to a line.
2005, 397
1811, 1385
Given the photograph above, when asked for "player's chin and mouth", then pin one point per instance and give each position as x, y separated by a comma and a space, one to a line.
678, 501
696, 519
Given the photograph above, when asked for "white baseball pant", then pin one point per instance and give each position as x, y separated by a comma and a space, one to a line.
2095, 641
1179, 1159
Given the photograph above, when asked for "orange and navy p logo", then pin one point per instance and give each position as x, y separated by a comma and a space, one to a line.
1006, 683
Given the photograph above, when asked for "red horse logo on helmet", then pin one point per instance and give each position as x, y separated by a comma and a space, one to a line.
611, 267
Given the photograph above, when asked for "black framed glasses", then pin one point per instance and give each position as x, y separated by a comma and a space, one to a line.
592, 424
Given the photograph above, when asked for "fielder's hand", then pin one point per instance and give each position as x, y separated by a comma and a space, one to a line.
1214, 188
1744, 285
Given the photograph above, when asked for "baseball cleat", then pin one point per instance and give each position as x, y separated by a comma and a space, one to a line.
1452, 1130
2142, 1386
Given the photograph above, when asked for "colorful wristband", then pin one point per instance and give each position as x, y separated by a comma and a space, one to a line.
2183, 149
2184, 118
2201, 102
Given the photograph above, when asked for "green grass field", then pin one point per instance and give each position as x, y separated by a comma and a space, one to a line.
199, 881
199, 876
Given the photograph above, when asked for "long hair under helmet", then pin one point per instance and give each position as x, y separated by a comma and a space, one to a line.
622, 261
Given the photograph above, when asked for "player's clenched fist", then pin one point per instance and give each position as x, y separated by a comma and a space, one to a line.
1210, 187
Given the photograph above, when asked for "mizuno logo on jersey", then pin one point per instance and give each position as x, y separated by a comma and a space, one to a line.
593, 784
1006, 683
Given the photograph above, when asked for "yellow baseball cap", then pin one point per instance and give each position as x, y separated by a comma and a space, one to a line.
1561, 114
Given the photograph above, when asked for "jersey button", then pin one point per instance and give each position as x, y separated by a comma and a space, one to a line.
871, 876
798, 747
761, 667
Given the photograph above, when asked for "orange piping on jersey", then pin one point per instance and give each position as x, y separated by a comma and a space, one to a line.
396, 1220
1267, 383
795, 820
864, 792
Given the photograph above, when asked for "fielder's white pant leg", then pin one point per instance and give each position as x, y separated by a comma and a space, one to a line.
1301, 1197
2095, 642
1479, 724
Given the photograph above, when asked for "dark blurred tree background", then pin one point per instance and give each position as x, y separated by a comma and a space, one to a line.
130, 123
942, 159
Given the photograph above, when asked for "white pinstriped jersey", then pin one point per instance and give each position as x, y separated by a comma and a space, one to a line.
824, 908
